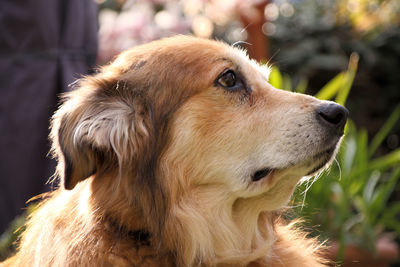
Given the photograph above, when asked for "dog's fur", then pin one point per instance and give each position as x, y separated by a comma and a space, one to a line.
156, 159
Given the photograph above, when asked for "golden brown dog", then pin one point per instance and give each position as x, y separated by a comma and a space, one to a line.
179, 153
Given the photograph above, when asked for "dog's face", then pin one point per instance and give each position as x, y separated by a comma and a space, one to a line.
186, 115
254, 141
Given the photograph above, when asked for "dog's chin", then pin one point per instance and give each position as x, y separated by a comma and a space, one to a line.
308, 167
321, 161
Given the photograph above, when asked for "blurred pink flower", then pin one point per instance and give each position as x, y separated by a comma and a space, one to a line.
138, 23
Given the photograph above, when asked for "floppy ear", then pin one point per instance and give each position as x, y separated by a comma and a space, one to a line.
95, 132
76, 160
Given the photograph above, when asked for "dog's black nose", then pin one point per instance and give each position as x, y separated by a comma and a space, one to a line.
333, 115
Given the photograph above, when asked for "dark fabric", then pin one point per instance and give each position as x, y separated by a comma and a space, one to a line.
44, 46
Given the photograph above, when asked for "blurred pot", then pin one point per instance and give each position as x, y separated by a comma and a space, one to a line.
387, 252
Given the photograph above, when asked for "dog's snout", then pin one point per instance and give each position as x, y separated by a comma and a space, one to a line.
333, 115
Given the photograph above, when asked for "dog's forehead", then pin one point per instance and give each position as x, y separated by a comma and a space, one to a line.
184, 65
190, 54
233, 57
237, 56
224, 56
241, 58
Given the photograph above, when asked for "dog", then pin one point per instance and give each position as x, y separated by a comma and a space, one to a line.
179, 153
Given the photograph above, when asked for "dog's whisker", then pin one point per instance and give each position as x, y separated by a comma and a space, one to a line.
272, 57
339, 168
245, 28
239, 43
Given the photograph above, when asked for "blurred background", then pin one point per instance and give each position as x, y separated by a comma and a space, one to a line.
307, 39
344, 50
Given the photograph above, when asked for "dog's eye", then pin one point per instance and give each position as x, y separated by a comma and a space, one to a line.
230, 81
227, 79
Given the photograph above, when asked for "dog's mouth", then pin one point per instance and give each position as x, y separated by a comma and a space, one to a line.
260, 174
321, 159
317, 162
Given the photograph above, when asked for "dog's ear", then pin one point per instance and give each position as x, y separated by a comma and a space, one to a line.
95, 131
76, 160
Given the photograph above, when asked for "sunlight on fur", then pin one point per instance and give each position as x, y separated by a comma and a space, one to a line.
179, 153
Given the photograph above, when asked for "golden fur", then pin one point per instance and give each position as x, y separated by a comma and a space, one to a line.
155, 160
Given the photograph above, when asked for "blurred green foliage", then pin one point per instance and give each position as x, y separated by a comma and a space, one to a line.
315, 41
8, 239
350, 201
358, 198
10, 236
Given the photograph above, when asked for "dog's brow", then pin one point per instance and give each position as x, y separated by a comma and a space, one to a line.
226, 60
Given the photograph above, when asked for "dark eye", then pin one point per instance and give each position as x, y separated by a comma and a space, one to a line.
227, 79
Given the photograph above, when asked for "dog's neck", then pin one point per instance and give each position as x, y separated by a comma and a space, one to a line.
212, 235
218, 234
210, 226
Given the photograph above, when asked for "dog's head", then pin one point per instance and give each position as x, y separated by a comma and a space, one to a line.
186, 117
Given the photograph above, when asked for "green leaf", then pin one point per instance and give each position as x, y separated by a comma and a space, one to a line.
370, 186
390, 217
387, 161
287, 83
331, 88
348, 79
384, 131
362, 149
349, 152
275, 78
383, 193
359, 163
302, 86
